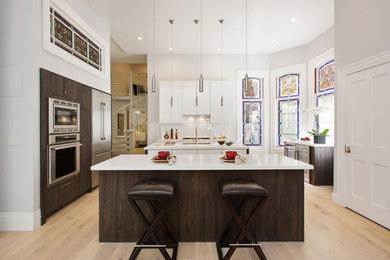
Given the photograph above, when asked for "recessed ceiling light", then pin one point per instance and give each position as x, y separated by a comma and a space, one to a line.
273, 40
139, 38
293, 20
169, 49
218, 49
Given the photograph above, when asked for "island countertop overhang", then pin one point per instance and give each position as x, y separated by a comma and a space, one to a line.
203, 162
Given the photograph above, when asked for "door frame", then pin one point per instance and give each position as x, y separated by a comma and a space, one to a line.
341, 114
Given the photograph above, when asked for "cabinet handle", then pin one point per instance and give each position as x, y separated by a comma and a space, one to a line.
65, 92
171, 101
221, 101
196, 101
66, 184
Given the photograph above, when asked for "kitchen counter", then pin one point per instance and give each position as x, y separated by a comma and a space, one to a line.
308, 143
204, 162
197, 213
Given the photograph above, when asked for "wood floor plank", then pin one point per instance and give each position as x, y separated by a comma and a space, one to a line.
331, 232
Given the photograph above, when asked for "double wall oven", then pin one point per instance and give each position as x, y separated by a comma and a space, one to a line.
64, 140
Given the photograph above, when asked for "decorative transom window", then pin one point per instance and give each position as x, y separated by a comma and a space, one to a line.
252, 112
64, 35
288, 107
325, 96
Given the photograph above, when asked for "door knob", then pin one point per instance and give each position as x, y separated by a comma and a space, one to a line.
347, 149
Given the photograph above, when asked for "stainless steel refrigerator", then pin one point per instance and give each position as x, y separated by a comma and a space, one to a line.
101, 130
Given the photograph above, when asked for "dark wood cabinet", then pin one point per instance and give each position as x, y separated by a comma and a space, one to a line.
62, 193
321, 157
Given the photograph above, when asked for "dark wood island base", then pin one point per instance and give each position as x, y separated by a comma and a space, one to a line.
197, 213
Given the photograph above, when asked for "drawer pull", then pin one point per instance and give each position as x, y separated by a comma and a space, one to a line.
64, 185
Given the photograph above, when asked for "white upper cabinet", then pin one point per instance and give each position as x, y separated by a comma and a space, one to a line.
217, 102
203, 107
194, 102
221, 103
171, 102
189, 97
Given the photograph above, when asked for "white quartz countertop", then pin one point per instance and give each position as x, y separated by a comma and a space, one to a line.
204, 162
309, 143
180, 146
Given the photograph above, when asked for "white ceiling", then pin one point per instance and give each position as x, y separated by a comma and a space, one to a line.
269, 24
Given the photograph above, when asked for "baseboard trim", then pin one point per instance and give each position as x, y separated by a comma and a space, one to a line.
20, 221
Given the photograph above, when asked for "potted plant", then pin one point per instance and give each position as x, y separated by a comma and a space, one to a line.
319, 136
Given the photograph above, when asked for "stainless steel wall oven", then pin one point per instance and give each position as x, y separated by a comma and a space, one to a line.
64, 157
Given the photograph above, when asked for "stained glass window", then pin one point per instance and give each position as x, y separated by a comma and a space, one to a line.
64, 35
252, 123
289, 85
252, 112
325, 97
288, 126
254, 88
326, 76
325, 104
288, 107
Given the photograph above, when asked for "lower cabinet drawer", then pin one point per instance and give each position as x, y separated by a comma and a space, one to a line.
61, 194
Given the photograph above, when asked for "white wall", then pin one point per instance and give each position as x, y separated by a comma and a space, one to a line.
185, 68
361, 38
361, 29
22, 50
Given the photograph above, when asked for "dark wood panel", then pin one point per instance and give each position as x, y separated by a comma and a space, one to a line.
85, 139
323, 160
197, 212
57, 196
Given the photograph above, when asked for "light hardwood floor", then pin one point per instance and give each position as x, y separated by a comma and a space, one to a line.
331, 232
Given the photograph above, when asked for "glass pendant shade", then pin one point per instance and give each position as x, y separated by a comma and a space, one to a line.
246, 82
154, 87
201, 83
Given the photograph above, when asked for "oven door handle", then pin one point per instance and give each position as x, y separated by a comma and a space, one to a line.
60, 147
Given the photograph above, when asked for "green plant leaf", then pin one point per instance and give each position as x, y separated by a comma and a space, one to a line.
325, 132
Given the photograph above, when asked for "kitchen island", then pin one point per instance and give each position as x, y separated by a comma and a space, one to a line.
197, 214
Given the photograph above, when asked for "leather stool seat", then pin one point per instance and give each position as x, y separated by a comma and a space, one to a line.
243, 189
152, 189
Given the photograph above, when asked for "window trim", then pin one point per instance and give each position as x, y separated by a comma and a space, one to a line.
70, 15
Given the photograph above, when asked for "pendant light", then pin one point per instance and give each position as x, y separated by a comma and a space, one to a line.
221, 22
154, 87
246, 80
201, 49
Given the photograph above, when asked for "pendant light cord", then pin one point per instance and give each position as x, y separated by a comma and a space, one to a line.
201, 36
172, 22
221, 21
246, 35
154, 34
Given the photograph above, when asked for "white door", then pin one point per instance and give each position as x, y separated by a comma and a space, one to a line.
368, 135
189, 97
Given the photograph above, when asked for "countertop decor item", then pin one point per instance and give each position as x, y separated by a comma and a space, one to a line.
319, 136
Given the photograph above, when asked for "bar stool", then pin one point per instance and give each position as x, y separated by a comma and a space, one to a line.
242, 191
150, 191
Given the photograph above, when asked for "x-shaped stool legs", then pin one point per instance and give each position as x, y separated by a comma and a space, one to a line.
150, 229
244, 230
